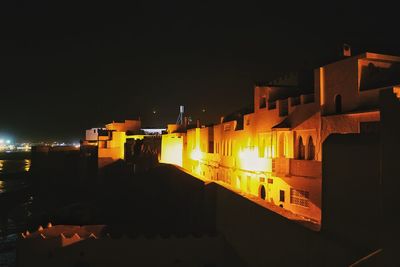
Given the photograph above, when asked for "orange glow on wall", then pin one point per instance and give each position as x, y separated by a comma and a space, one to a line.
249, 164
196, 154
171, 149
396, 91
322, 85
249, 160
277, 149
114, 147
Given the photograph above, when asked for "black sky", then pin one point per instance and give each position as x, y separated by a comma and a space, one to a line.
67, 66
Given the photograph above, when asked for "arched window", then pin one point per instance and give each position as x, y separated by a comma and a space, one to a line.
338, 104
310, 149
300, 149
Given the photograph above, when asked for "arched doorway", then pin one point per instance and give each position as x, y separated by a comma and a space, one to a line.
338, 104
301, 149
262, 193
310, 149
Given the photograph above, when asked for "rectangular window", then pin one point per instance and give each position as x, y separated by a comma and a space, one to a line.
299, 197
211, 147
263, 102
281, 195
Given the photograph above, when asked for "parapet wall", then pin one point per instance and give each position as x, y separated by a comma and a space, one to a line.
264, 238
124, 251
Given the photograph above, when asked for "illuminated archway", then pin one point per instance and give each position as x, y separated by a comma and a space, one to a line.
262, 193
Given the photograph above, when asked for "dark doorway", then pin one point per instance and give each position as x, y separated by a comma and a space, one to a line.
262, 192
281, 195
338, 103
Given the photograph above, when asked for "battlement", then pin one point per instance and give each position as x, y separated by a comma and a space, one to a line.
68, 234
68, 245
284, 105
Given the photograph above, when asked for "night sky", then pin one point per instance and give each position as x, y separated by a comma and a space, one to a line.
68, 66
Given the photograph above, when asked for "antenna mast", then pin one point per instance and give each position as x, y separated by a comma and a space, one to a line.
179, 120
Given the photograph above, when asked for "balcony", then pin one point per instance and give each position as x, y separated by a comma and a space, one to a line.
295, 167
305, 168
280, 166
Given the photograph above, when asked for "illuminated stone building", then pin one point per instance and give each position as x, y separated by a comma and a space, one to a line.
111, 140
172, 144
116, 140
275, 152
291, 150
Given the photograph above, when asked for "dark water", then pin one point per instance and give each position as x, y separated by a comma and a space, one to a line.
9, 170
14, 165
13, 208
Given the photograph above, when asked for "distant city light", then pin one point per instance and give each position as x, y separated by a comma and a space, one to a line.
153, 131
7, 145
